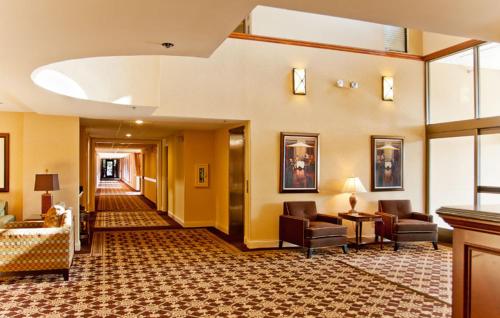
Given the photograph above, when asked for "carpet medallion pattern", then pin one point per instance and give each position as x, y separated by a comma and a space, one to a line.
113, 220
415, 265
191, 273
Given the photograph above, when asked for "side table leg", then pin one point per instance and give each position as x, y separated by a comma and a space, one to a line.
382, 234
357, 236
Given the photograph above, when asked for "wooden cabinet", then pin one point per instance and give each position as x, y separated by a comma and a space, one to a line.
476, 261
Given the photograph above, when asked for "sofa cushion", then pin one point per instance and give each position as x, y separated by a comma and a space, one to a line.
412, 225
321, 229
6, 219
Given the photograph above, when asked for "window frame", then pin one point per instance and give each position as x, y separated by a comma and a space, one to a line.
476, 127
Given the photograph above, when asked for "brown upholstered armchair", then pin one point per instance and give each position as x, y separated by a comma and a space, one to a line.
403, 225
302, 225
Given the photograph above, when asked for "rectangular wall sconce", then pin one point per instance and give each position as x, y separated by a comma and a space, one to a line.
299, 81
388, 88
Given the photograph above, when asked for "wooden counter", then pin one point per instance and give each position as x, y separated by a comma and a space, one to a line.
476, 260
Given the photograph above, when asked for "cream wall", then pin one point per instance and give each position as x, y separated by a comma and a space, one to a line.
13, 124
297, 25
258, 75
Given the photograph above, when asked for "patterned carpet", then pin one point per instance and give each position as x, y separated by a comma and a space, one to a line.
117, 196
416, 266
136, 219
192, 273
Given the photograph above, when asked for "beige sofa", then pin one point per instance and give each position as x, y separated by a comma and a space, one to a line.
28, 246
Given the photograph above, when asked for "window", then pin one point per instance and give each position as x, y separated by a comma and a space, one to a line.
451, 174
451, 88
395, 39
489, 80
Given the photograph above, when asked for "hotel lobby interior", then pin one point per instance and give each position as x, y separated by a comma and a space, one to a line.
251, 158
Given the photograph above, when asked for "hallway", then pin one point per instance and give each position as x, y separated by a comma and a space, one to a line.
115, 195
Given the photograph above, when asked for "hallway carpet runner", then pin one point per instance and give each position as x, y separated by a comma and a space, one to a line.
191, 273
117, 196
136, 219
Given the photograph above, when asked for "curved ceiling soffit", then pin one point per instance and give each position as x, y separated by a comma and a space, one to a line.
119, 80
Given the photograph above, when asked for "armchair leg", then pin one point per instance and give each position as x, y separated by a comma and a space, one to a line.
65, 274
396, 246
281, 244
345, 249
435, 244
309, 252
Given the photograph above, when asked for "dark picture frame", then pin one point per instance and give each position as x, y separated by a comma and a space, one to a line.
387, 163
4, 162
299, 163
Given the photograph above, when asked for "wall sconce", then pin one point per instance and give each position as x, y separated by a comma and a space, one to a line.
388, 88
299, 81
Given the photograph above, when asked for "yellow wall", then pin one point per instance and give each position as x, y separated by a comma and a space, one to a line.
199, 208
50, 142
220, 179
12, 123
40, 142
150, 158
260, 81
178, 178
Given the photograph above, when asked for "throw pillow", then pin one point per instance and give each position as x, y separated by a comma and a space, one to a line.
52, 219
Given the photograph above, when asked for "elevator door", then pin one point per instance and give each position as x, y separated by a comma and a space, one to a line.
236, 183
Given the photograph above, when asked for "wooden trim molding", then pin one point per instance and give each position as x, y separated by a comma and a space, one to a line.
268, 39
452, 49
468, 124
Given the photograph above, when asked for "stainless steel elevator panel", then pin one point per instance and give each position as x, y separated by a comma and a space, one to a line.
236, 183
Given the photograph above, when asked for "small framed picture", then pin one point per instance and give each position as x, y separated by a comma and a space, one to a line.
201, 175
299, 164
387, 154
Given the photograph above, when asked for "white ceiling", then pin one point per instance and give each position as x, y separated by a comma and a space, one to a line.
36, 33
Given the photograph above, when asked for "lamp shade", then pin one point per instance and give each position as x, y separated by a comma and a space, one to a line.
46, 182
353, 185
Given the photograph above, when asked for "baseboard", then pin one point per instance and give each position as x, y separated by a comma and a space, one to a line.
221, 228
176, 218
199, 224
266, 244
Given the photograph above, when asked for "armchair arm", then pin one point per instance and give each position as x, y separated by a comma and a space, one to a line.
389, 221
421, 216
292, 229
24, 224
329, 218
51, 247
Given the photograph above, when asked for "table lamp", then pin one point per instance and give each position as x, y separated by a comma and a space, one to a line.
353, 185
46, 182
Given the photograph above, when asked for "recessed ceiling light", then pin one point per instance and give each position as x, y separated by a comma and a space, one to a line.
167, 45
128, 135
139, 122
